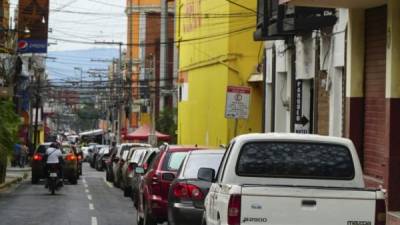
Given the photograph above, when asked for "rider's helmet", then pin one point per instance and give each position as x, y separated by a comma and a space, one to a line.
54, 145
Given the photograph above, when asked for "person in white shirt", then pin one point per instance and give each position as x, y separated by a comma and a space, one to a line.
54, 157
53, 154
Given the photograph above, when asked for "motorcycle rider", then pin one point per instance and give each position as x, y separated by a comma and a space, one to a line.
54, 157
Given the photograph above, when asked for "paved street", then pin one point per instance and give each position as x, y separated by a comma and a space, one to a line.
91, 202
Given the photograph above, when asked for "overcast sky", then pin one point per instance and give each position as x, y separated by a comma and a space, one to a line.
85, 20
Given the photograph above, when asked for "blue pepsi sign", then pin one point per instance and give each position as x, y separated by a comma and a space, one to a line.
32, 46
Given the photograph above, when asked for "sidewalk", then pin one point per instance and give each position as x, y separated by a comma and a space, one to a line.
15, 175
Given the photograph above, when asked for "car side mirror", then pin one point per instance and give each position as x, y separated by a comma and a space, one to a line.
168, 176
90, 150
206, 174
139, 170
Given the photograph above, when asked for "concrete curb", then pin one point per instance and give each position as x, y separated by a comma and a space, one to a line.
11, 182
19, 170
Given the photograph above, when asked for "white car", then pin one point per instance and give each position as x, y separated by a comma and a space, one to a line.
291, 179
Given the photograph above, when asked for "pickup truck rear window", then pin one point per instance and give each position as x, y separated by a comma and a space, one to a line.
295, 160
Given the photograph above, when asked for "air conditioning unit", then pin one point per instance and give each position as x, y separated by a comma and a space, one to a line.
278, 22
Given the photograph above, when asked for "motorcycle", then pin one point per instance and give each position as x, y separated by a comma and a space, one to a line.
53, 181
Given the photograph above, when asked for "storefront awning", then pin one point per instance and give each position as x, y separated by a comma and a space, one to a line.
92, 133
336, 3
143, 133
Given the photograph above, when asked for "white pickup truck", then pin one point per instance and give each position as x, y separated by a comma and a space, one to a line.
290, 179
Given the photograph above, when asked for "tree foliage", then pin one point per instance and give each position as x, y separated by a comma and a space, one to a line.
9, 123
166, 123
88, 117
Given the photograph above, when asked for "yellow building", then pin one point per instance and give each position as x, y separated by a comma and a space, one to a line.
216, 50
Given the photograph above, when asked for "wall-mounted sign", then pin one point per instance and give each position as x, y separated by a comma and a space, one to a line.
237, 102
33, 26
302, 125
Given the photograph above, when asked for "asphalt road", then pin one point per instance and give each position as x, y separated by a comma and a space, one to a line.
92, 202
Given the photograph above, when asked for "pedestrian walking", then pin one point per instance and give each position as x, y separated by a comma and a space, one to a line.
16, 155
23, 156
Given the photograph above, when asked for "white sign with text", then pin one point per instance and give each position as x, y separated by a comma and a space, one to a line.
237, 102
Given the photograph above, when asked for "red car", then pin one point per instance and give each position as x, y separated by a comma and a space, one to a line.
153, 190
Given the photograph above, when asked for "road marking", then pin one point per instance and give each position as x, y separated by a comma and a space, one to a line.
94, 221
86, 186
108, 183
83, 180
89, 197
91, 206
87, 190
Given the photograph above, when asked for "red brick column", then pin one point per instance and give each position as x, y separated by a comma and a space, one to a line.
355, 123
392, 131
392, 154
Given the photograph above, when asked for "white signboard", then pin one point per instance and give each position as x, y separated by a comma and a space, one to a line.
237, 102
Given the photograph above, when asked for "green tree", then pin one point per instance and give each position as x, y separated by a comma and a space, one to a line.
166, 123
9, 123
88, 117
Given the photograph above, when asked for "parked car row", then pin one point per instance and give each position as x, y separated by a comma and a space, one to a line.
162, 182
253, 181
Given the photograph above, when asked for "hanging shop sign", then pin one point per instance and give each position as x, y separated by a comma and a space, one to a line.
237, 102
33, 26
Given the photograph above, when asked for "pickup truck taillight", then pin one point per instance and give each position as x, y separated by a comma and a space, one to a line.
37, 157
183, 190
380, 212
235, 202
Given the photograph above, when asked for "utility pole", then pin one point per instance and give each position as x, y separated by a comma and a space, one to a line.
152, 87
36, 126
163, 46
121, 82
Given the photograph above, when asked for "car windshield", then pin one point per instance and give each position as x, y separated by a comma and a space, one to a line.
295, 160
66, 149
125, 154
197, 161
137, 156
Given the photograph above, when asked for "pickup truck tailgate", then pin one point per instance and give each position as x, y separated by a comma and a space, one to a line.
307, 206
